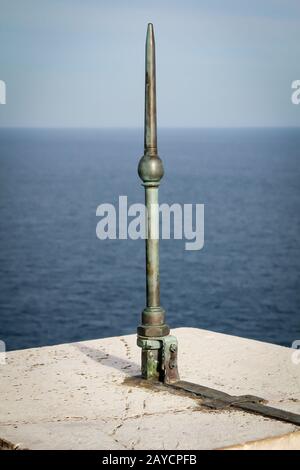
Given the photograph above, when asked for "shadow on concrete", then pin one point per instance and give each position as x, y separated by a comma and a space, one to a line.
109, 360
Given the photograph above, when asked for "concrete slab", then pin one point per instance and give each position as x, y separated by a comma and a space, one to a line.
73, 396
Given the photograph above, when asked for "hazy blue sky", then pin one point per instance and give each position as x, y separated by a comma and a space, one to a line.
81, 62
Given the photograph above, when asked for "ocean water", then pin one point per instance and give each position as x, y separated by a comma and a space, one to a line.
59, 283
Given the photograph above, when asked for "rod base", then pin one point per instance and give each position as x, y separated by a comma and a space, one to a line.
150, 331
153, 323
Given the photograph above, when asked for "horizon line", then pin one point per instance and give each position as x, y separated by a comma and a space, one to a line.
142, 128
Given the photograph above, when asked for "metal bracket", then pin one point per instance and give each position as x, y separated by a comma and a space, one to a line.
216, 399
159, 358
169, 359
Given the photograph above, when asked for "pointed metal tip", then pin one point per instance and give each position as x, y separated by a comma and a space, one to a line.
150, 30
150, 94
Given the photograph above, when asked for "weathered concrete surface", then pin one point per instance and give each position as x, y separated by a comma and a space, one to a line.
73, 396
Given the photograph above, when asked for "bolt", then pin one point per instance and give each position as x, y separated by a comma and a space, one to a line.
173, 347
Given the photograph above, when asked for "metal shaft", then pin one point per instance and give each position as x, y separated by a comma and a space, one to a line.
150, 138
151, 191
152, 247
151, 171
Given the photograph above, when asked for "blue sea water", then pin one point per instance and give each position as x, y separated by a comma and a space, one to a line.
59, 283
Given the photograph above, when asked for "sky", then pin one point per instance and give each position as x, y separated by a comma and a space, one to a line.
80, 63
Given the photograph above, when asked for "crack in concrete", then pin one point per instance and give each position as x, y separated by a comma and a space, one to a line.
100, 418
125, 394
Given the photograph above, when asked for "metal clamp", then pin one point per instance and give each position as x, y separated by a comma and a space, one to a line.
159, 358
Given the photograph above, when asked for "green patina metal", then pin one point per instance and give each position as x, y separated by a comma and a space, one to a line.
153, 333
159, 358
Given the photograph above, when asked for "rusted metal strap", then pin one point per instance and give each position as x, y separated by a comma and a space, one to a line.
216, 399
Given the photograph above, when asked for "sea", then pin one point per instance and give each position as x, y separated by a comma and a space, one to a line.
59, 283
